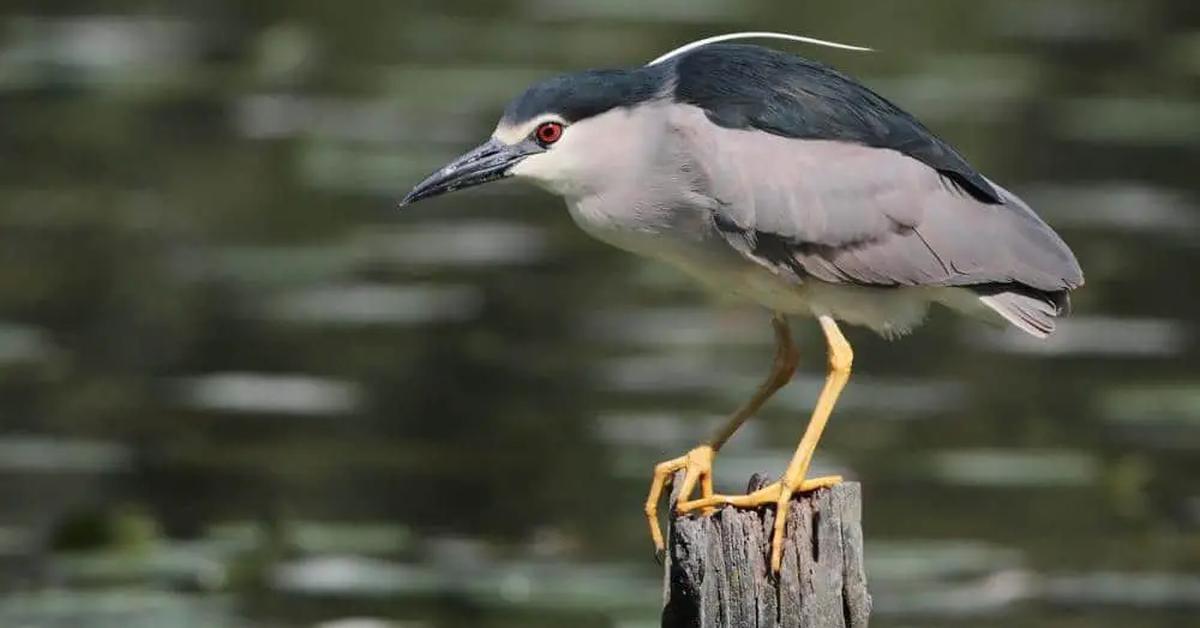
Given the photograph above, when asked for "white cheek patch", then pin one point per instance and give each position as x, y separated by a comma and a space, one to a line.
551, 170
512, 134
539, 167
583, 160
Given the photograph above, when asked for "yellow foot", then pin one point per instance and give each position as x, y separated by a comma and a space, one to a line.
697, 467
775, 494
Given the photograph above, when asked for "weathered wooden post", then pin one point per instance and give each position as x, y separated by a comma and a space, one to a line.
718, 571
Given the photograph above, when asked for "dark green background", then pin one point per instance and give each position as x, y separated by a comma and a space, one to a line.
239, 388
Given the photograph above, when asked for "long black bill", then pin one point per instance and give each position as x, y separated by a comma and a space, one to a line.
487, 162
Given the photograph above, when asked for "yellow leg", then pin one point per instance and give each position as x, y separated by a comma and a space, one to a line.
841, 356
697, 463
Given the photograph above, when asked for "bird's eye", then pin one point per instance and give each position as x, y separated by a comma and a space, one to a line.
548, 133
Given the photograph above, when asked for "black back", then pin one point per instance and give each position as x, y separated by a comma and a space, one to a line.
750, 87
743, 87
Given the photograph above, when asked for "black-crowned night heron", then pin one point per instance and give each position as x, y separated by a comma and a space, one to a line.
782, 181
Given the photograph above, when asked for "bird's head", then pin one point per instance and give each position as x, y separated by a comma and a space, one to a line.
564, 134
572, 133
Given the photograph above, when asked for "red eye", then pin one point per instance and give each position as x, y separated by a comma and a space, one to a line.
548, 133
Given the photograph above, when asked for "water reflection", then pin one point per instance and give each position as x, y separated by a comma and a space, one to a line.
242, 390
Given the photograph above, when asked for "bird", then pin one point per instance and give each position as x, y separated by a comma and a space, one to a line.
779, 181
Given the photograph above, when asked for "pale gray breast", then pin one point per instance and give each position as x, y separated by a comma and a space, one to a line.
654, 202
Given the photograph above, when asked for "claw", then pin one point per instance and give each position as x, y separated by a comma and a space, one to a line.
697, 467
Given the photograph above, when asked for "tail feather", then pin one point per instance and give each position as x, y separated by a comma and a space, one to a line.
1031, 311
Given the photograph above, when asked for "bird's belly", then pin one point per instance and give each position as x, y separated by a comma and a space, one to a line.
721, 270
759, 285
704, 255
888, 311
710, 262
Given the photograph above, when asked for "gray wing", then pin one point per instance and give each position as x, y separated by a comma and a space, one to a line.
749, 87
853, 214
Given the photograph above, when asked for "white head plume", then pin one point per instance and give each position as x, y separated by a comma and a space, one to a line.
754, 35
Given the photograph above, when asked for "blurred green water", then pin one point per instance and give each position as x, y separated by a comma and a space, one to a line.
240, 389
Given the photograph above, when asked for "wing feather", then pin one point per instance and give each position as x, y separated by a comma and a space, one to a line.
754, 88
847, 213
